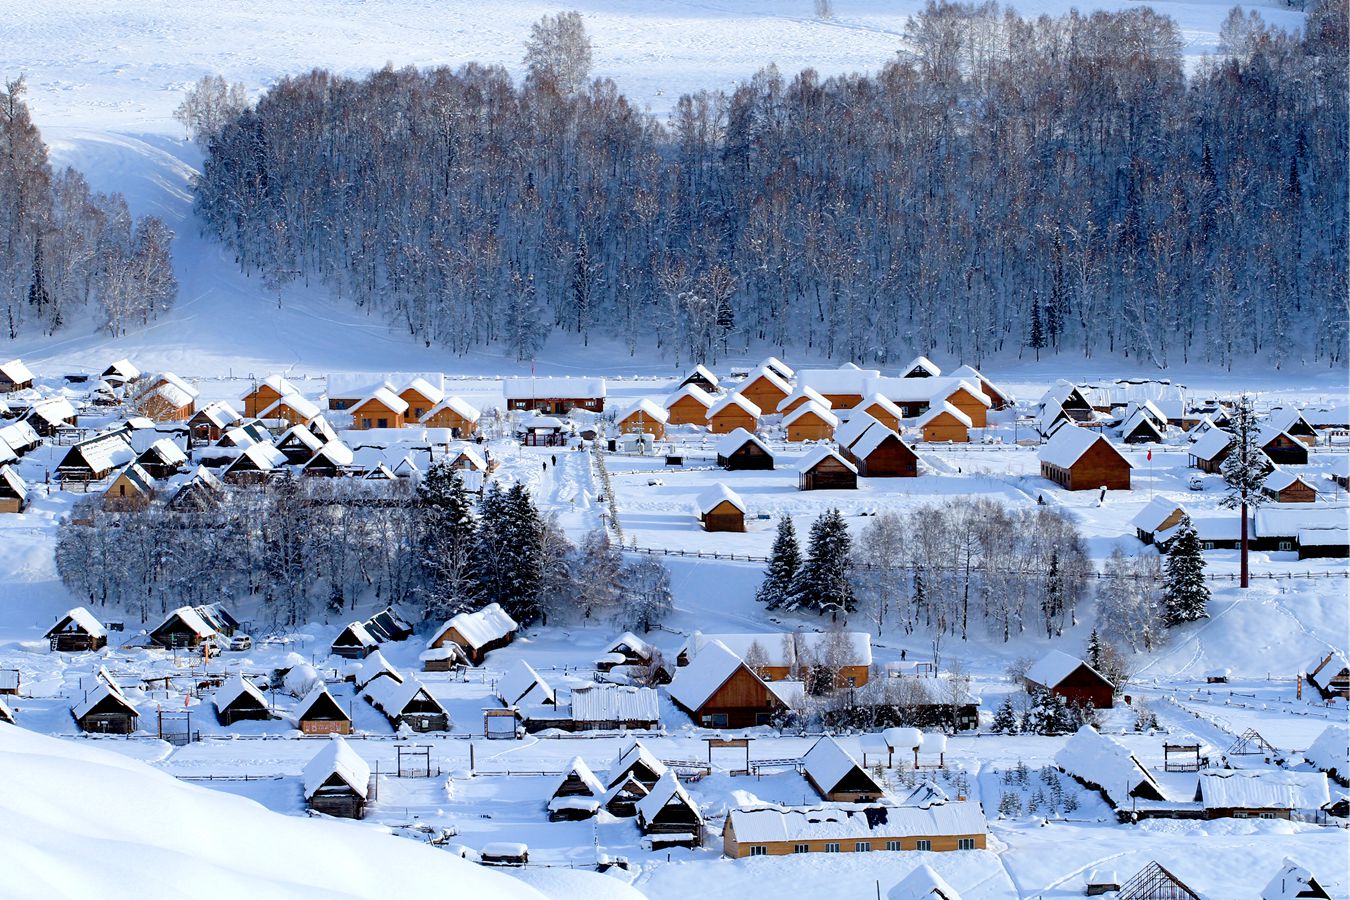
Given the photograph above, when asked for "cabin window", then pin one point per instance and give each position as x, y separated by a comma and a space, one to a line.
761, 718
365, 423
716, 720
1286, 545
121, 490
852, 681
862, 846
801, 848
759, 850
1208, 545
923, 844
965, 844
1267, 815
831, 848
892, 845
1239, 815
384, 423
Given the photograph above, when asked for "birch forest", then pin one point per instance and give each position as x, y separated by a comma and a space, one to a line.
1006, 186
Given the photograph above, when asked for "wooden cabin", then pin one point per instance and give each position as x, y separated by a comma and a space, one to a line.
778, 831
1071, 678
1282, 447
239, 700
554, 396
382, 409
825, 470
1160, 515
1000, 398
721, 509
455, 414
105, 709
354, 642
732, 412
621, 800
627, 650
970, 400
14, 376
644, 417
292, 409
77, 632
1286, 487
162, 459
476, 633
255, 465
51, 417
120, 372
881, 409
422, 397
1331, 677
763, 389
190, 626
718, 690
319, 713
803, 394
944, 423
810, 422
700, 377
1141, 428
168, 401
265, 393
1209, 451
202, 491
577, 796
13, 491
389, 625
668, 817
95, 458
835, 775
407, 705
879, 452
741, 450
920, 367
298, 444
1295, 424
688, 406
337, 781
1078, 459
131, 491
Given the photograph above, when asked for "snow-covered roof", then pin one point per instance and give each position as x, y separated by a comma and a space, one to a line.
1154, 513
780, 368
553, 387
1331, 750
171, 394
949, 386
105, 687
278, 383
818, 454
632, 642
1059, 393
848, 432
848, 379
219, 413
386, 398
719, 493
106, 451
588, 778
923, 883
878, 400
703, 398
628, 757
780, 648
306, 409
1279, 479
615, 703
19, 435
1213, 442
871, 439
666, 790
84, 620
264, 457
299, 434
191, 619
488, 624
702, 372
827, 764
1289, 519
921, 363
938, 409
791, 694
803, 392
356, 631
1262, 789
178, 383
1105, 762
1270, 434
233, 688
15, 371
336, 758
53, 411
903, 738
523, 686
737, 438
122, 369
811, 407
432, 393
1068, 444
1140, 419
694, 684
736, 400
647, 407
373, 666
469, 455
316, 695
392, 697
827, 822
1054, 667
1132, 390
167, 451
1284, 418
16, 485
457, 405
1292, 882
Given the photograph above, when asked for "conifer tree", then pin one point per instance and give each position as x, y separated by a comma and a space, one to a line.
1245, 470
1005, 718
823, 583
1094, 650
785, 560
446, 534
1185, 594
1036, 327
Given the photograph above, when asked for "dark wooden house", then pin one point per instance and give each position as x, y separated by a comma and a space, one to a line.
239, 700
1071, 678
77, 631
354, 642
835, 775
337, 781
668, 817
1283, 448
740, 450
1078, 459
476, 633
879, 452
721, 509
407, 704
14, 376
186, 626
718, 690
319, 713
105, 709
577, 796
823, 469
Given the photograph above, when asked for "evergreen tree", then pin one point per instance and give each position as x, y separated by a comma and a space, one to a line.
1245, 470
785, 560
1005, 718
508, 554
823, 582
525, 328
446, 534
1094, 650
599, 574
1185, 594
1036, 327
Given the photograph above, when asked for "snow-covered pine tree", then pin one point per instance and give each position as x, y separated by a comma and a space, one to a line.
1244, 470
823, 583
785, 560
1005, 718
1094, 650
446, 534
1036, 327
1185, 594
526, 572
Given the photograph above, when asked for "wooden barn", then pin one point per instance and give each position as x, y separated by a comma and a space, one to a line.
382, 409
852, 828
577, 796
741, 450
1282, 447
802, 394
105, 709
162, 459
555, 396
810, 422
265, 393
718, 690
644, 417
292, 409
879, 452
732, 412
1209, 451
944, 423
688, 406
13, 491
825, 470
77, 631
337, 781
131, 491
422, 397
14, 376
354, 642
454, 413
319, 713
700, 377
1078, 459
239, 700
668, 817
51, 417
721, 509
881, 409
476, 633
1071, 678
764, 389
835, 775
1286, 487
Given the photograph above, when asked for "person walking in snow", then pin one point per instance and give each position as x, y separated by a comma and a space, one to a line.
555, 460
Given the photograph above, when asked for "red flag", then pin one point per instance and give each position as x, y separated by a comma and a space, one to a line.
1150, 456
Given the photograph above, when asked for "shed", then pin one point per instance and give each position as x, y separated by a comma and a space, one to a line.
77, 631
1071, 678
944, 423
688, 406
810, 422
522, 686
1078, 459
613, 707
577, 796
337, 781
13, 491
202, 491
354, 642
824, 469
50, 417
389, 625
836, 775
239, 699
668, 816
454, 413
742, 450
255, 464
626, 650
732, 412
1160, 514
721, 509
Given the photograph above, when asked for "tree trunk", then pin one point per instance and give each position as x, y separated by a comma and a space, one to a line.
1243, 577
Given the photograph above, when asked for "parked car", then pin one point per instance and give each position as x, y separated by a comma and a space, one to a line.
241, 642
1197, 483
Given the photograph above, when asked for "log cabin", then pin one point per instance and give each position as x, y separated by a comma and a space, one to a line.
577, 796
167, 398
668, 816
644, 417
298, 444
292, 409
337, 781
77, 632
732, 412
835, 775
407, 705
881, 409
319, 713
211, 421
476, 633
721, 509
131, 491
1078, 459
634, 761
920, 367
454, 413
1260, 793
626, 650
13, 491
822, 469
105, 709
14, 376
255, 465
422, 397
120, 372
1068, 397
555, 396
764, 389
778, 367
354, 642
20, 438
1071, 678
93, 459
1103, 764
740, 450
333, 460
265, 393
852, 828
1294, 423
810, 422
200, 492
718, 690
1285, 487
239, 700
1331, 677
382, 409
701, 378
944, 423
1209, 450
1160, 514
688, 406
879, 452
190, 626
1282, 447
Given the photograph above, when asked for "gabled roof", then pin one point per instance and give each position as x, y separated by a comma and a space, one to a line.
584, 774
191, 618
1154, 513
1262, 789
717, 494
1068, 444
1269, 434
847, 379
15, 371
393, 697
262, 457
873, 438
336, 758
848, 432
20, 435
779, 368
179, 384
880, 400
306, 409
278, 383
736, 400
138, 477
938, 409
812, 408
804, 392
104, 451
951, 386
170, 393
922, 363
1055, 666
355, 634
166, 452
1213, 442
1141, 419
769, 375
335, 453
648, 408
219, 413
234, 688
1331, 750
737, 438
1293, 882
702, 372
479, 628
457, 405
122, 369
703, 398
828, 764
1107, 763
1279, 479
665, 792
470, 455
817, 455
632, 642
81, 619
923, 883
318, 696
13, 483
630, 756
53, 411
300, 436
1289, 418
424, 389
105, 688
696, 683
385, 397
374, 665
523, 686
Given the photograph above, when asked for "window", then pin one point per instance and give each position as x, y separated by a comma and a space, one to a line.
1286, 545
923, 845
759, 850
862, 846
831, 848
365, 423
1239, 815
1267, 815
384, 423
852, 681
1208, 545
892, 845
762, 718
801, 848
965, 844
716, 720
